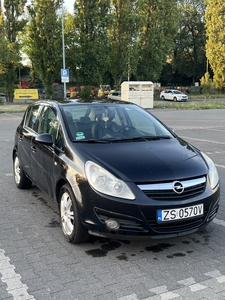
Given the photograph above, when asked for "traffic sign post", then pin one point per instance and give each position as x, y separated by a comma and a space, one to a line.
65, 75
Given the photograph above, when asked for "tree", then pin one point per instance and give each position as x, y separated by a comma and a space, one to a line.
156, 38
189, 55
14, 22
215, 46
206, 83
11, 25
122, 39
43, 41
9, 62
88, 50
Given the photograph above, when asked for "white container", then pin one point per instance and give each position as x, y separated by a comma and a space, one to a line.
138, 92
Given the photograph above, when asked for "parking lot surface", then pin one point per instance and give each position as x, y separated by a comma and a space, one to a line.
36, 262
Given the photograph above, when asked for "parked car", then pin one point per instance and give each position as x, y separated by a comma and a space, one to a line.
174, 95
116, 95
115, 170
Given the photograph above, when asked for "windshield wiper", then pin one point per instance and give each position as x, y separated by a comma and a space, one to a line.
158, 137
134, 138
91, 141
144, 138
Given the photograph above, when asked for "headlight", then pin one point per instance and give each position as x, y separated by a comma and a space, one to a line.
106, 183
213, 174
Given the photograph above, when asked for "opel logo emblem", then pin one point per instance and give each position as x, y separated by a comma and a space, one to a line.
178, 187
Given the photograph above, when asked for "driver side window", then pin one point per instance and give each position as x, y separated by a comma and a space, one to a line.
48, 121
49, 124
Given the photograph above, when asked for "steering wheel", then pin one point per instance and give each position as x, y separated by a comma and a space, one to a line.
125, 127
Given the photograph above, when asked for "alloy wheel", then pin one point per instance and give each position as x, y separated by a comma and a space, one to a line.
17, 170
67, 214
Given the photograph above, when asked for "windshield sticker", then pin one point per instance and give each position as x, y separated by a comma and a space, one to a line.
80, 135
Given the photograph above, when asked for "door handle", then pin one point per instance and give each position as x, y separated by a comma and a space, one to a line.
33, 149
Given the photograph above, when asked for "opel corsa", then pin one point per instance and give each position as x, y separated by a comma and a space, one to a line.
115, 170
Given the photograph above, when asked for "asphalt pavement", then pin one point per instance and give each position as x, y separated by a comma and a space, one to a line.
36, 262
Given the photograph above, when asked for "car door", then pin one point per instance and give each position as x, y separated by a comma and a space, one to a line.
170, 95
26, 134
43, 156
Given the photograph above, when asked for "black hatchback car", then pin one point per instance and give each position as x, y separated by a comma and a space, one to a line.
115, 170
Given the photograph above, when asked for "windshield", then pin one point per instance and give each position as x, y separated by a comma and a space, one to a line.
177, 92
108, 122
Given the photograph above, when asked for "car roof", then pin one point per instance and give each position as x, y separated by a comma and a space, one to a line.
172, 90
79, 101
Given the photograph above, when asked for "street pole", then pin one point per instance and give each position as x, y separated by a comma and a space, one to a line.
63, 48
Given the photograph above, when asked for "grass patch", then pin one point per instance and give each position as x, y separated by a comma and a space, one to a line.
206, 96
192, 105
12, 107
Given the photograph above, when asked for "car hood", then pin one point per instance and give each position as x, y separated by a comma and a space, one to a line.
146, 161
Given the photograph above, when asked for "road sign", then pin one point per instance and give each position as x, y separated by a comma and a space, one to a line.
65, 77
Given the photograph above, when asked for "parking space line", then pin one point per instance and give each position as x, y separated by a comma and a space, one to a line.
218, 222
200, 140
220, 166
14, 285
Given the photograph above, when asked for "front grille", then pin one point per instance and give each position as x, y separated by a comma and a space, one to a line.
165, 191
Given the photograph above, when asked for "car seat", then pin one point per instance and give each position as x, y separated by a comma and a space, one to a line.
84, 127
72, 126
105, 127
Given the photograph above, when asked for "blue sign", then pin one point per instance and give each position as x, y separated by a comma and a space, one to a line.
65, 75
65, 72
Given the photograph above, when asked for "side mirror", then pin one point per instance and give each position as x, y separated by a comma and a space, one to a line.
44, 138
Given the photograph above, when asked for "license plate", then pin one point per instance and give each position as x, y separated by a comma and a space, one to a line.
179, 213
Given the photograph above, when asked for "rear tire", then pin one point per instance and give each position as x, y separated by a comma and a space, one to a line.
20, 178
175, 99
72, 228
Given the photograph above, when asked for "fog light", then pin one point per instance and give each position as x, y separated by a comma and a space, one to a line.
112, 224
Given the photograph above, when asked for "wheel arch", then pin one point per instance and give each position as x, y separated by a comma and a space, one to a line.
59, 185
14, 152
61, 182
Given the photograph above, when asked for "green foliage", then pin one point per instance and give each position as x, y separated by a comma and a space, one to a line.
14, 22
88, 50
189, 54
85, 92
158, 28
43, 41
11, 23
206, 83
215, 46
122, 32
108, 41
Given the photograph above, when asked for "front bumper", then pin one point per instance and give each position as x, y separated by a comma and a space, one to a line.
138, 220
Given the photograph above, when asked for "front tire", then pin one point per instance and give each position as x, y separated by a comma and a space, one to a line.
21, 180
72, 228
163, 98
175, 99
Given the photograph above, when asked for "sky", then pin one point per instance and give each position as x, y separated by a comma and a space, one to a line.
68, 5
